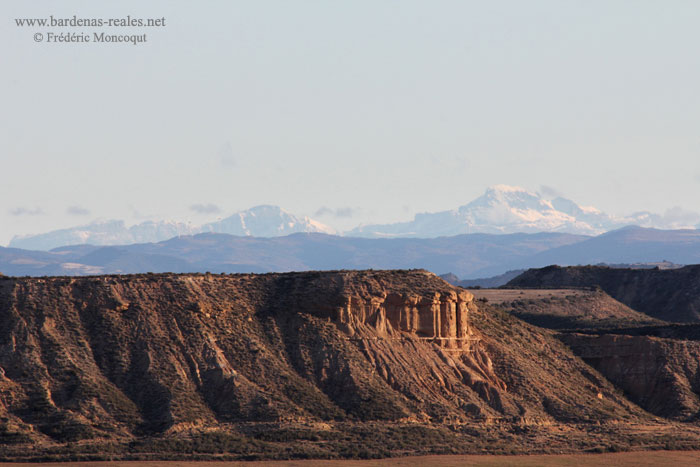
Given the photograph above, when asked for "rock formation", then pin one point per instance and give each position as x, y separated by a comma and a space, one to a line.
440, 318
661, 375
313, 364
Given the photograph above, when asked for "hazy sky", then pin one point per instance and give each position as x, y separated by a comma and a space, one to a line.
373, 110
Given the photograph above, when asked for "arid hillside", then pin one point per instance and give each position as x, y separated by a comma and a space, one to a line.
565, 308
661, 375
653, 362
669, 295
296, 365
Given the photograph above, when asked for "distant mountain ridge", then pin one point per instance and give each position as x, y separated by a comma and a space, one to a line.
265, 221
260, 221
465, 255
109, 232
501, 209
507, 209
469, 256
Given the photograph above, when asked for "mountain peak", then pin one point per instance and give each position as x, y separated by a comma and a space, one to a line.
265, 221
258, 221
501, 209
509, 199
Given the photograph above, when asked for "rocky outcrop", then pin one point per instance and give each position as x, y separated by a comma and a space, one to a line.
440, 318
661, 375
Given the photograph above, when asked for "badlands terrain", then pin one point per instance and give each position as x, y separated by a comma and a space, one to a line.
333, 364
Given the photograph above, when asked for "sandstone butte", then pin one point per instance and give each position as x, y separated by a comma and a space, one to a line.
297, 365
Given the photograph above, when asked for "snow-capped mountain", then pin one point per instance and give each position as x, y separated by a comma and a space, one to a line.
501, 209
260, 221
265, 221
507, 209
110, 232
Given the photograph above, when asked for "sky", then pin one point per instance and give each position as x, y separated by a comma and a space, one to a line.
348, 111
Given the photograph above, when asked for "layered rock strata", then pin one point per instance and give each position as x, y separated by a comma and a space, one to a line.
439, 318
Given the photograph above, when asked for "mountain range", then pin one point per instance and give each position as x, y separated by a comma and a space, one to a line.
260, 221
464, 255
468, 256
507, 209
501, 209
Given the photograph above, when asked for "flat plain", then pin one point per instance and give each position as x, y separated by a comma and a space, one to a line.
640, 458
497, 296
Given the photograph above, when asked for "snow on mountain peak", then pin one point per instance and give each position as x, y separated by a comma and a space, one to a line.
265, 221
259, 221
501, 209
508, 199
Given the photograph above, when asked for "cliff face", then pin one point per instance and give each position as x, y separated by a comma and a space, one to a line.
120, 359
439, 318
669, 295
661, 375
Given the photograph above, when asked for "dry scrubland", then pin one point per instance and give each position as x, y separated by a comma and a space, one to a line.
565, 308
623, 459
511, 295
